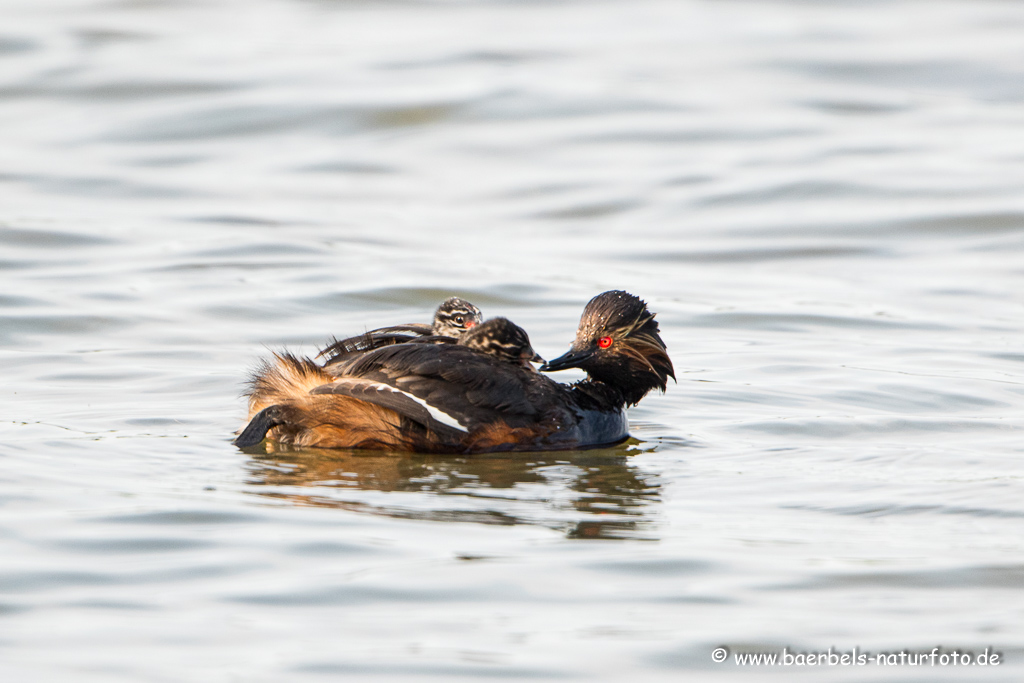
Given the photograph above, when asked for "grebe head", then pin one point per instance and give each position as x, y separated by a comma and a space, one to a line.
617, 343
454, 316
502, 338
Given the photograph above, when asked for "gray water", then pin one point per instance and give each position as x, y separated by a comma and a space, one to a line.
824, 203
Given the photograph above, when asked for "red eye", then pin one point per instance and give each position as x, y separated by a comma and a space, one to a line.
604, 342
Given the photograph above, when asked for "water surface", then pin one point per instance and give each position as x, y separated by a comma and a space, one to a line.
822, 202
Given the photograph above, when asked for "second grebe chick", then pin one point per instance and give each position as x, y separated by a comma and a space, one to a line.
503, 339
453, 318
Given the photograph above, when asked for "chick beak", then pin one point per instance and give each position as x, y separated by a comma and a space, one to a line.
530, 356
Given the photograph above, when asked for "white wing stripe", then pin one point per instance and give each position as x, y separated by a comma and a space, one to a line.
436, 413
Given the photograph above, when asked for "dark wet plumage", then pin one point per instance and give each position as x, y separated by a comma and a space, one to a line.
618, 343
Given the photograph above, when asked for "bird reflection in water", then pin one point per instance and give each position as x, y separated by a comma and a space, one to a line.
599, 494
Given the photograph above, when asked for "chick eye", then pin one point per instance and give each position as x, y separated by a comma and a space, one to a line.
459, 320
604, 342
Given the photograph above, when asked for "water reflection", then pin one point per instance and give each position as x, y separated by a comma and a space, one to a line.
599, 493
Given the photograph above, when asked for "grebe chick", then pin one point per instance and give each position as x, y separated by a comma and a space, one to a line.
453, 318
503, 339
450, 398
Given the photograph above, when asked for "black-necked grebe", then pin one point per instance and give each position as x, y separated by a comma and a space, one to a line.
450, 398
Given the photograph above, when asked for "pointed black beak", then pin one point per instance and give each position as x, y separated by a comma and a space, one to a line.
573, 359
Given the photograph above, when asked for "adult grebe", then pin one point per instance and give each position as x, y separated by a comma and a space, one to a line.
451, 398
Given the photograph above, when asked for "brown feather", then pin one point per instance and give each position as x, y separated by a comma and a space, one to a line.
324, 420
499, 436
282, 379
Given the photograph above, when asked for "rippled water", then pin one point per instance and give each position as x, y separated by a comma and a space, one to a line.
824, 202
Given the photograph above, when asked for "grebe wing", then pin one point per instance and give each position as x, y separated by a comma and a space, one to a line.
340, 349
404, 403
470, 387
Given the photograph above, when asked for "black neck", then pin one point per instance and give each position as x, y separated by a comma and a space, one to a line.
596, 395
622, 390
